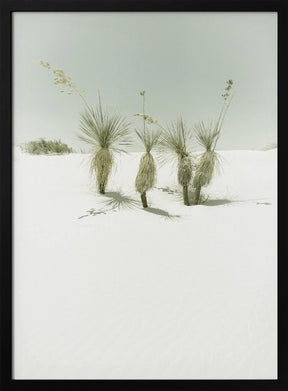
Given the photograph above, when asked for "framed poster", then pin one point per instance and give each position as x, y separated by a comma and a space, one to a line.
144, 232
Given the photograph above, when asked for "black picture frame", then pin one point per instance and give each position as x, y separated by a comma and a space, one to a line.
7, 7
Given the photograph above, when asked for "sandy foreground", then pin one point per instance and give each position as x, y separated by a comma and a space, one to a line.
104, 289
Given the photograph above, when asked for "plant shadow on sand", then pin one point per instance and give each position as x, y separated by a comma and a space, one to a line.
217, 202
211, 202
167, 190
161, 212
225, 201
116, 200
113, 201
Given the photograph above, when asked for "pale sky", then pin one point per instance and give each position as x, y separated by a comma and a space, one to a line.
181, 59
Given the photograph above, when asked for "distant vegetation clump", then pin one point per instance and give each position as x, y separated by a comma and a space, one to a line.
270, 146
46, 147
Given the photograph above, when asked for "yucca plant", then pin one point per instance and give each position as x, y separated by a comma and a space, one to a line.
207, 136
146, 175
176, 139
108, 134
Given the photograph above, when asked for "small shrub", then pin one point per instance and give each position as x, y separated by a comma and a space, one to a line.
270, 146
46, 147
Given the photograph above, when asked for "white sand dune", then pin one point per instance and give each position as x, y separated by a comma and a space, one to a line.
171, 292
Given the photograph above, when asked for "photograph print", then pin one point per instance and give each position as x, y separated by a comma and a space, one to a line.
144, 195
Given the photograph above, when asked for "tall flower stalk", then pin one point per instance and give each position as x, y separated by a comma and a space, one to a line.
60, 78
208, 136
146, 176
